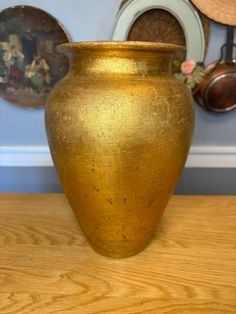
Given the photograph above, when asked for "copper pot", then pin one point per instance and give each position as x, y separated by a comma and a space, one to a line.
217, 92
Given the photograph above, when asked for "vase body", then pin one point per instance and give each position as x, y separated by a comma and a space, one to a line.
119, 128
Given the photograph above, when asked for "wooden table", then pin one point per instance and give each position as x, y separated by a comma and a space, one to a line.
46, 265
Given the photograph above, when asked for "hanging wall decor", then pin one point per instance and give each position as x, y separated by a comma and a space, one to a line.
166, 21
29, 63
217, 91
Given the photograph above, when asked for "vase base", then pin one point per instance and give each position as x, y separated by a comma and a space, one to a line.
119, 251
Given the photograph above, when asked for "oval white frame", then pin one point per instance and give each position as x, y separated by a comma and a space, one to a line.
182, 10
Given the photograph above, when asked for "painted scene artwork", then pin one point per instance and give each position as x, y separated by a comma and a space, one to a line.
29, 63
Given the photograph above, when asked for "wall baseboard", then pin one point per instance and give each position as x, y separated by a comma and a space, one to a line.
25, 156
39, 156
212, 157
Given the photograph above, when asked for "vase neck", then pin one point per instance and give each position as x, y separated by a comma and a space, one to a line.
132, 65
119, 58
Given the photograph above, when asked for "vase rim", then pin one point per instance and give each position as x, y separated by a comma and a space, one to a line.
121, 45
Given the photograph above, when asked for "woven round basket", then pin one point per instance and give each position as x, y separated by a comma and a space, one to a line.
161, 26
222, 11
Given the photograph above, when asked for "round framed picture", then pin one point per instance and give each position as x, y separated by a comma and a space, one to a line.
29, 62
176, 22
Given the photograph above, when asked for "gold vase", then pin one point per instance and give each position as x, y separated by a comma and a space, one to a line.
119, 128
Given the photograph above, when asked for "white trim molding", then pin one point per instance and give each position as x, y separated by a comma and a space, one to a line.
39, 156
212, 157
25, 156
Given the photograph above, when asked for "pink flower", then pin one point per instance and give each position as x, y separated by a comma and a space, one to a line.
188, 66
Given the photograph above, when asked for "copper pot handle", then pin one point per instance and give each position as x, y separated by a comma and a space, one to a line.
228, 47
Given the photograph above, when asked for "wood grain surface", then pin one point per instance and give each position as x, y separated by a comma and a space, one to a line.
47, 266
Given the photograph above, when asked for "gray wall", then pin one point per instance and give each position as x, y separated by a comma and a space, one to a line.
93, 20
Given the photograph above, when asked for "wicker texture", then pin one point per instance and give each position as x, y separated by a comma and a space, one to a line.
159, 25
222, 11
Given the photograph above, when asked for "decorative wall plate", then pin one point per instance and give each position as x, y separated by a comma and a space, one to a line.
29, 63
176, 22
